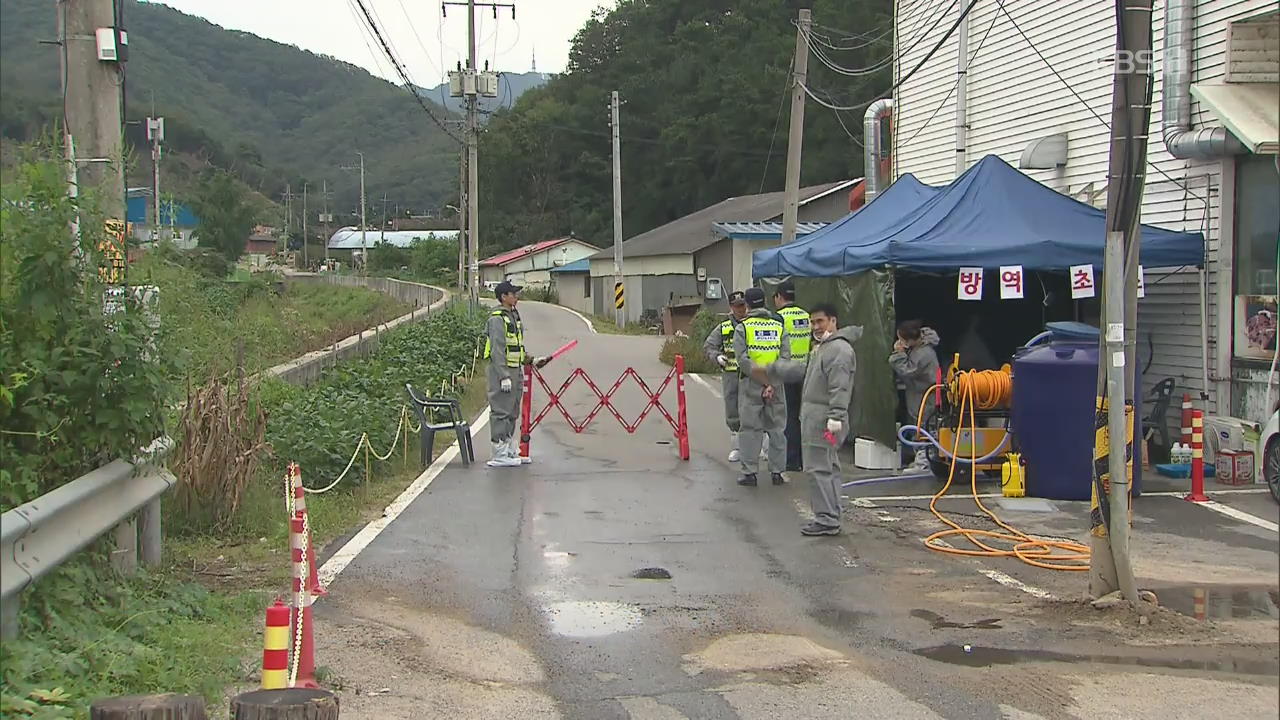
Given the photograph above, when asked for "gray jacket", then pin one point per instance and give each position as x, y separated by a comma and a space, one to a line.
828, 383
918, 370
496, 330
715, 344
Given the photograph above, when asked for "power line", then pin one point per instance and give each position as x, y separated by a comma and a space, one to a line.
401, 72
906, 77
954, 85
773, 136
1086, 104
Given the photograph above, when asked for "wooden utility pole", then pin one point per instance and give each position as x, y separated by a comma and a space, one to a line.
620, 314
93, 93
305, 263
795, 137
1110, 566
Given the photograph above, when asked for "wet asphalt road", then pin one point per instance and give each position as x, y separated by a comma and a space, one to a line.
756, 621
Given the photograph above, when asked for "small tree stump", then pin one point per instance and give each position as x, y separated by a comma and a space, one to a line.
148, 707
288, 704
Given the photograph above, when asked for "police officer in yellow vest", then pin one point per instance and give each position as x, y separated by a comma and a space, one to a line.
504, 349
762, 409
719, 349
795, 321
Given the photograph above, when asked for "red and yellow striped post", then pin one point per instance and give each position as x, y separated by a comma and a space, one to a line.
1200, 603
1197, 457
1187, 413
275, 648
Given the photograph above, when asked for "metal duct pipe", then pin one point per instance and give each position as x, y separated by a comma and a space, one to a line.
873, 146
1175, 103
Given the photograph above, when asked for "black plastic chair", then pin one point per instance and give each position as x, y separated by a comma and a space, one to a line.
1155, 422
440, 414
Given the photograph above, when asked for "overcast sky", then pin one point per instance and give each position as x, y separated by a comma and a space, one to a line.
426, 42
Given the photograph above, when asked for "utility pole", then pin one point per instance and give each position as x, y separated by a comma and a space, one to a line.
620, 316
324, 193
470, 89
464, 280
1110, 566
155, 133
93, 92
795, 137
288, 212
305, 257
364, 240
384, 218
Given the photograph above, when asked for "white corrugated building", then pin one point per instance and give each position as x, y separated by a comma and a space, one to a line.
1041, 72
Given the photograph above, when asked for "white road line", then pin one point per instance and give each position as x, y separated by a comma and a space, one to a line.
704, 383
1009, 581
1240, 515
361, 540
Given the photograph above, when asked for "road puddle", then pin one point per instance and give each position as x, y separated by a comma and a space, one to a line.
1222, 602
941, 623
591, 619
976, 656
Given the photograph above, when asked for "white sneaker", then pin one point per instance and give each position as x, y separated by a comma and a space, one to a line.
734, 455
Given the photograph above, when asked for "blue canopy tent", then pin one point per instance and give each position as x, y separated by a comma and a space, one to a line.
887, 210
991, 215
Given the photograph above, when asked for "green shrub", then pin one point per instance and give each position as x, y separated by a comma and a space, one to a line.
541, 293
77, 388
695, 360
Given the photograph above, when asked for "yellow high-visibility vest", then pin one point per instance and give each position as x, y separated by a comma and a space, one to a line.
726, 346
764, 339
795, 321
515, 339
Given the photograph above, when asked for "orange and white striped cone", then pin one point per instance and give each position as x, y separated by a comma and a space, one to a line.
1197, 457
275, 648
300, 509
302, 642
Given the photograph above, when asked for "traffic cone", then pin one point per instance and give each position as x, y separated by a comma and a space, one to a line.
300, 510
305, 669
275, 648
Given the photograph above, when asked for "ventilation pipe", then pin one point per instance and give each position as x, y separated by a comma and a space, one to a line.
1175, 104
874, 152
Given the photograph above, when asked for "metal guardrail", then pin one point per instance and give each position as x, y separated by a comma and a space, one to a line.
38, 536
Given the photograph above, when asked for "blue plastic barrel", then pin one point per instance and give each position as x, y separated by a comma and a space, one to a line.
1054, 386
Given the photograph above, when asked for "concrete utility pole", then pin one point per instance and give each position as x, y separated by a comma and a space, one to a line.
1110, 565
620, 315
94, 96
364, 240
324, 193
464, 280
795, 137
383, 231
470, 89
155, 133
288, 214
305, 262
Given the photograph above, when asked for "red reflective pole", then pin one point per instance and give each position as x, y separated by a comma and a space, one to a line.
682, 417
526, 410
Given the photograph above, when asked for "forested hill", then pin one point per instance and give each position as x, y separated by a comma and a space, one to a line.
703, 84
273, 113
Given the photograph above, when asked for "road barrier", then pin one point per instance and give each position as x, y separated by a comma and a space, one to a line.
275, 647
1197, 458
679, 422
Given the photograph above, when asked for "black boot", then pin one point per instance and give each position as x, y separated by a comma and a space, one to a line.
748, 480
778, 479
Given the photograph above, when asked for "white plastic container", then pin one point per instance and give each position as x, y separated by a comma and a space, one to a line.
871, 455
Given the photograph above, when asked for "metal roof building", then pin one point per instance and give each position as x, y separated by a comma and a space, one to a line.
348, 238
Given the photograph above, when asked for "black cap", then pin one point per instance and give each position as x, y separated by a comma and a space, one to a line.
754, 297
504, 287
787, 290
737, 297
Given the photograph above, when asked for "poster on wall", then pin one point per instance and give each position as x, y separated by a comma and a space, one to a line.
1256, 323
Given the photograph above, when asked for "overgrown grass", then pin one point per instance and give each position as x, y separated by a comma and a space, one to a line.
86, 633
205, 320
608, 327
695, 360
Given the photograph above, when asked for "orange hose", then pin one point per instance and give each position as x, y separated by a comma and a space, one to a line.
1038, 552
